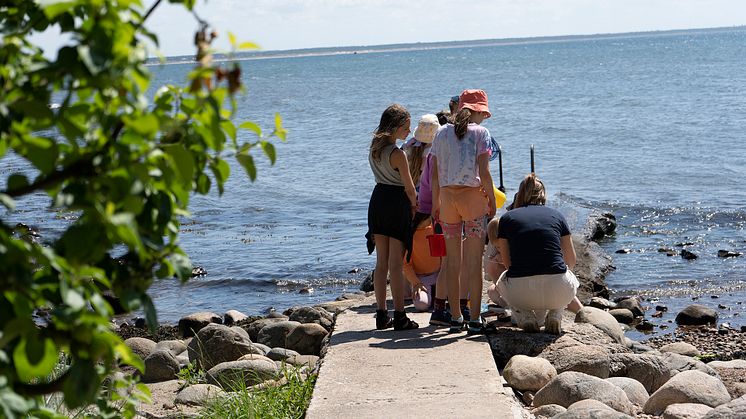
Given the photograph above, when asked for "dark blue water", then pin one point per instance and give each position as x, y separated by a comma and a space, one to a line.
648, 127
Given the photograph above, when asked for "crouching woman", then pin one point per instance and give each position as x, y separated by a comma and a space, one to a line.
536, 247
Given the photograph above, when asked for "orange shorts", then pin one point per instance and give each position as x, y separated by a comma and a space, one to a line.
462, 204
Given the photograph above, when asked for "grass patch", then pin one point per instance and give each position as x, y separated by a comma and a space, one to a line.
286, 401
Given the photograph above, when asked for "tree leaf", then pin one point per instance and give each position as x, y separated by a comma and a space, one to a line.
183, 160
54, 8
252, 126
8, 202
280, 132
269, 150
42, 152
34, 358
247, 162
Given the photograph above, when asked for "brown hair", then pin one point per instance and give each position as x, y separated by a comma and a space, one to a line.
531, 192
416, 160
492, 229
392, 118
461, 122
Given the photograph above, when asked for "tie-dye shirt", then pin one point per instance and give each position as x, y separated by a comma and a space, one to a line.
457, 159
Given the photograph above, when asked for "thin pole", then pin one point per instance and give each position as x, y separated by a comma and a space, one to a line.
532, 159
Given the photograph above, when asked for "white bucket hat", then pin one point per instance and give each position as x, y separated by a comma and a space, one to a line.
426, 128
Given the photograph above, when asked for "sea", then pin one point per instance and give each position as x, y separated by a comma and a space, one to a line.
650, 127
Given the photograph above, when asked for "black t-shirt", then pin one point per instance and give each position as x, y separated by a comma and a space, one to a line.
533, 235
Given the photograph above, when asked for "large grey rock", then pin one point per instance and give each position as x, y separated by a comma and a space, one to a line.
307, 339
591, 409
592, 360
681, 348
602, 320
199, 394
303, 360
685, 411
311, 315
281, 354
632, 304
570, 387
678, 363
622, 315
218, 343
601, 303
275, 335
688, 387
191, 324
734, 409
262, 347
507, 342
236, 374
548, 411
634, 389
232, 317
256, 326
142, 347
176, 347
648, 369
526, 373
732, 374
161, 365
696, 314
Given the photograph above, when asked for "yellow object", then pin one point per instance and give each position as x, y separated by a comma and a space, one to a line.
499, 197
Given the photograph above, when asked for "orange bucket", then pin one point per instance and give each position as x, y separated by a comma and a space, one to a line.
437, 241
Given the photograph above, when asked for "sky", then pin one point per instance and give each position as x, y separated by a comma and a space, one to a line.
295, 24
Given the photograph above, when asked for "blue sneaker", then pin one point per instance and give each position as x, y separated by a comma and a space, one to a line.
440, 318
466, 313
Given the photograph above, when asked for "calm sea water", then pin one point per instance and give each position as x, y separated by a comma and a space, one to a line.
648, 127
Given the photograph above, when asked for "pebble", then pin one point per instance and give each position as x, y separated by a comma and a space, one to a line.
661, 308
624, 251
728, 254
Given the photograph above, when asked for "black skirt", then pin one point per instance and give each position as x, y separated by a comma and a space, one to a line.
390, 214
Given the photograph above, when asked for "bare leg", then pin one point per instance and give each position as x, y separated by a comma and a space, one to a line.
575, 305
396, 257
463, 280
472, 273
453, 268
380, 274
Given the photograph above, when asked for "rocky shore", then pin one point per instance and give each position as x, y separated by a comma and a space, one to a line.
591, 370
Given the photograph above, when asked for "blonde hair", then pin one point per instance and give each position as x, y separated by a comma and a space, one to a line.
461, 122
416, 160
531, 192
492, 227
392, 118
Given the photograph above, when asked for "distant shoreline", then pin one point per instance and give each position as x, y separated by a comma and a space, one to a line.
423, 46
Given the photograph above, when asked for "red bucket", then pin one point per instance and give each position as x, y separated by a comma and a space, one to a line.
437, 242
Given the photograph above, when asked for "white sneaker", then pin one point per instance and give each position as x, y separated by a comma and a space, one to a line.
554, 322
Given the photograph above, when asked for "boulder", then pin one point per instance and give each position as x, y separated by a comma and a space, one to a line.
696, 314
601, 320
241, 331
634, 389
311, 315
142, 347
681, 348
589, 359
507, 342
688, 387
734, 409
236, 374
570, 387
591, 409
250, 357
256, 326
303, 360
199, 394
601, 303
232, 317
678, 363
367, 284
262, 347
591, 268
685, 411
622, 315
307, 339
632, 304
548, 410
526, 373
191, 324
218, 343
161, 365
275, 335
281, 354
601, 225
648, 369
176, 347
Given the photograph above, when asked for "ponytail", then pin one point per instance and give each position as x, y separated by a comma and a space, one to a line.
461, 122
531, 192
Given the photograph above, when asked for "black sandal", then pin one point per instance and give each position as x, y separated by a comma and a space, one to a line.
383, 321
402, 322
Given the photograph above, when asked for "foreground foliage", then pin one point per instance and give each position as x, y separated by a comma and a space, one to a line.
121, 166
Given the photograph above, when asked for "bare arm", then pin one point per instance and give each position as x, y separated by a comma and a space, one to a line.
398, 161
568, 251
435, 188
410, 275
483, 160
502, 246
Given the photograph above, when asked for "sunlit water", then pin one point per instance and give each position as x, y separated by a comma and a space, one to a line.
650, 128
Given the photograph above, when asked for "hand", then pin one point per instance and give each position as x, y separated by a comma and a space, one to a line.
419, 287
501, 188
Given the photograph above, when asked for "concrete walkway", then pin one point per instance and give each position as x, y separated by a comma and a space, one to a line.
422, 373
